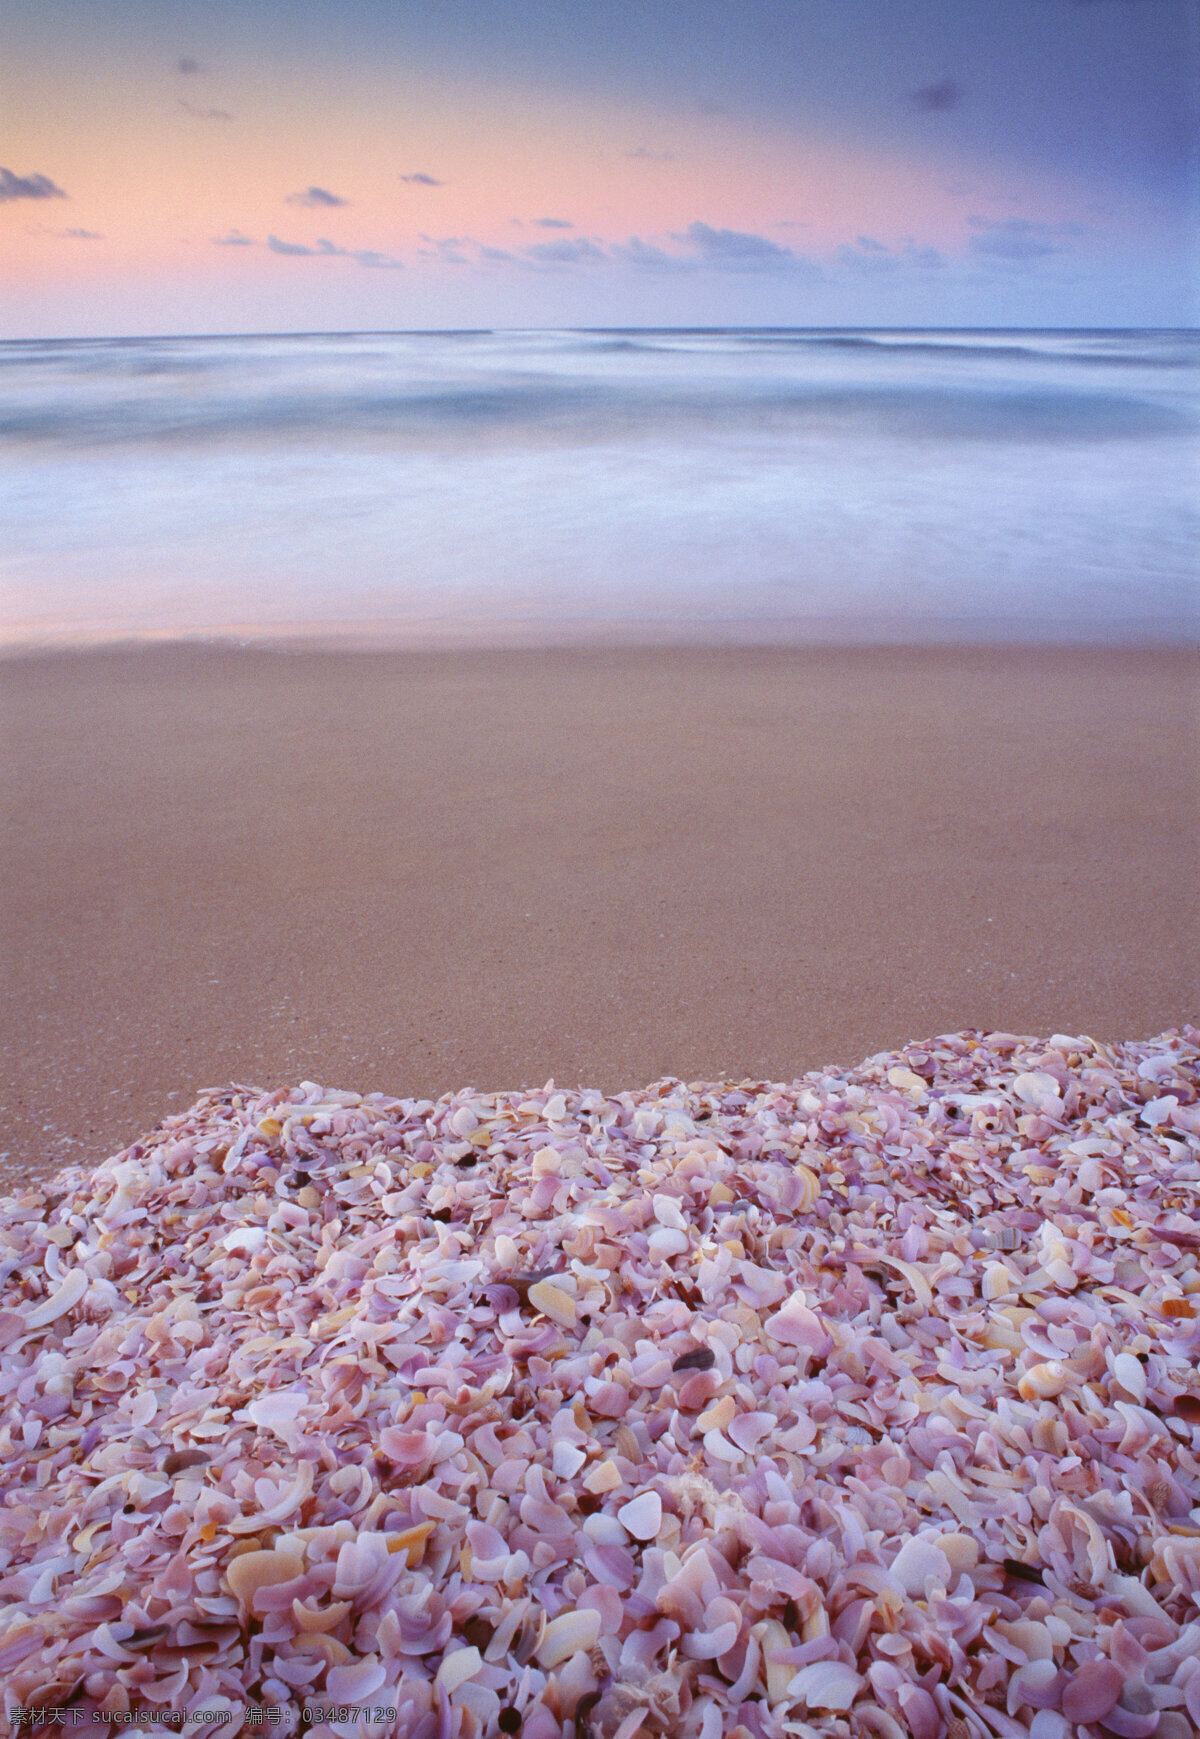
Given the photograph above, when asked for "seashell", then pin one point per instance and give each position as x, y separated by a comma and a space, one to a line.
718, 1416
253, 1571
810, 1189
553, 1302
461, 1470
566, 1459
62, 1299
1042, 1382
747, 1430
180, 1460
357, 1681
827, 1684
798, 1325
997, 1281
642, 1515
245, 1240
605, 1476
1092, 1691
919, 1561
567, 1635
1130, 1374
702, 1359
457, 1668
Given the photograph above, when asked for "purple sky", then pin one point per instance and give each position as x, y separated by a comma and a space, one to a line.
340, 164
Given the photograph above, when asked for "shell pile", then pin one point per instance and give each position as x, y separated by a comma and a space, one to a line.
864, 1405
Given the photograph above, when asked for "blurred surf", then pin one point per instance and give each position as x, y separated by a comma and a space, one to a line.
517, 487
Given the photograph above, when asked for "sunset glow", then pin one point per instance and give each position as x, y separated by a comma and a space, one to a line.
328, 167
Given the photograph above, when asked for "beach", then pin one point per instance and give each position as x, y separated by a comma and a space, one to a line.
415, 872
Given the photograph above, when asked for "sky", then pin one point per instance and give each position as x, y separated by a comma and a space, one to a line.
198, 166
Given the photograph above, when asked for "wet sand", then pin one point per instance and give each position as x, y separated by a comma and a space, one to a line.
410, 873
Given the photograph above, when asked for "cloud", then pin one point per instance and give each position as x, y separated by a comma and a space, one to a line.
235, 239
447, 249
204, 114
868, 256
927, 258
732, 250
643, 154
498, 257
570, 251
645, 257
82, 235
316, 196
935, 99
553, 223
188, 65
1018, 239
420, 180
325, 249
27, 187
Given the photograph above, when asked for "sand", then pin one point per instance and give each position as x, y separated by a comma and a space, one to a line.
412, 873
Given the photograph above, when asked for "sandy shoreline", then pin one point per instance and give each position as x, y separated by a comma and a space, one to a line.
410, 873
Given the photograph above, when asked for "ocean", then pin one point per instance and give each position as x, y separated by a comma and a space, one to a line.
520, 488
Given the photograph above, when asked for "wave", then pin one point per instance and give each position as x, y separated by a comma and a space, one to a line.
593, 412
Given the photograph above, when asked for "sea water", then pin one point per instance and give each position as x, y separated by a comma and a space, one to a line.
508, 488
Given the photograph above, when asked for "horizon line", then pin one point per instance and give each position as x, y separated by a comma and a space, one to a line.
494, 331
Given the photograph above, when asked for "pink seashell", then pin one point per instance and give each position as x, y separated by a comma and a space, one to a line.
1092, 1691
827, 1684
609, 1401
405, 1448
798, 1325
642, 1515
709, 1644
920, 1562
357, 1681
921, 1712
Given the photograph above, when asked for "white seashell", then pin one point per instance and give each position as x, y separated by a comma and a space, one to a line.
567, 1635
1042, 1382
246, 1238
1130, 1373
642, 1515
278, 1413
668, 1213
64, 1298
747, 1430
567, 1459
457, 1667
997, 1280
666, 1243
827, 1684
917, 1563
1039, 1090
720, 1448
606, 1530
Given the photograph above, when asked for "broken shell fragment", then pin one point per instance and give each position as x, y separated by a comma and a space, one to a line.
1042, 1382
872, 1395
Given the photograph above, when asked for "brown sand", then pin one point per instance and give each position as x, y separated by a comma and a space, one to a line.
413, 873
